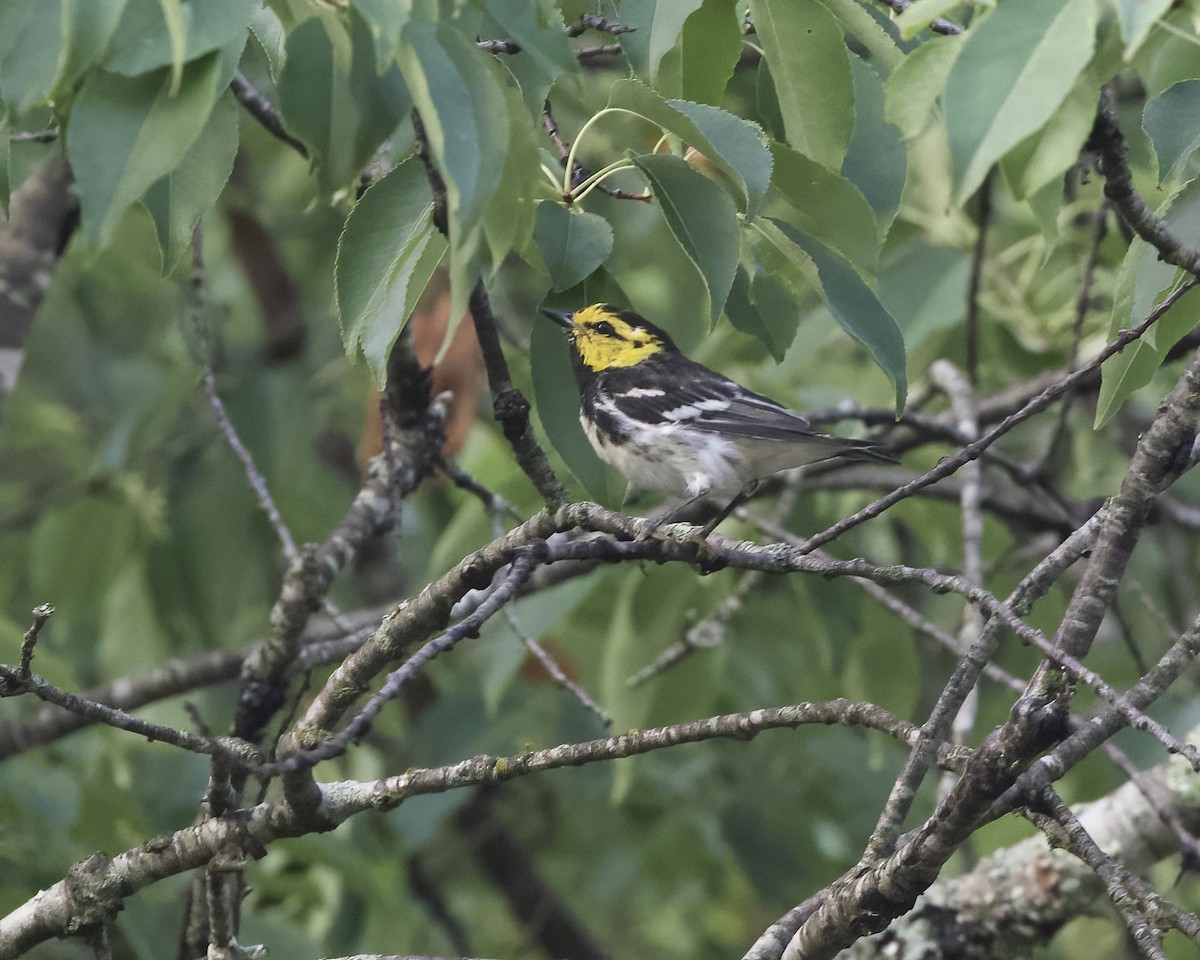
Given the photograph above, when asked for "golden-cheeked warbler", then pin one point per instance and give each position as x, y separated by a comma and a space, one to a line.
673, 426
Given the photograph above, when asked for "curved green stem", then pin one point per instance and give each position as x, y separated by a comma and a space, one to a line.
579, 138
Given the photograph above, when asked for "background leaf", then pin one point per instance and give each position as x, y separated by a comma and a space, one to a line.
159, 33
334, 99
1015, 68
180, 199
811, 71
128, 132
386, 256
1172, 122
465, 113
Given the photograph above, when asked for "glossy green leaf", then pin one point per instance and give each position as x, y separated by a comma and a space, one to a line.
268, 30
464, 113
810, 67
876, 160
709, 48
773, 281
778, 254
827, 207
385, 19
1172, 122
180, 199
386, 255
556, 397
911, 93
158, 33
733, 144
511, 211
860, 313
1142, 283
29, 45
1048, 154
1137, 18
88, 28
128, 132
665, 28
1015, 68
703, 219
572, 243
333, 98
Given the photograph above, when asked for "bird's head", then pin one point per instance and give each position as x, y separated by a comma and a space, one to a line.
603, 336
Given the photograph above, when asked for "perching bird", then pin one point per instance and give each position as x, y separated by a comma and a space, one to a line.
672, 425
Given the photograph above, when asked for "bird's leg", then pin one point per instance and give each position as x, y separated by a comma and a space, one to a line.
674, 515
733, 504
746, 493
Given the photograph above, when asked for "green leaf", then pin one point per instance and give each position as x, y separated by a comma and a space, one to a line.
172, 13
859, 312
386, 255
710, 45
925, 288
538, 28
511, 211
703, 219
669, 18
29, 52
128, 132
573, 244
159, 33
333, 98
876, 160
1137, 19
1045, 156
733, 144
267, 29
880, 44
828, 208
911, 92
465, 116
922, 13
5, 185
385, 19
180, 199
1016, 67
1142, 283
777, 254
811, 70
1172, 122
88, 27
556, 396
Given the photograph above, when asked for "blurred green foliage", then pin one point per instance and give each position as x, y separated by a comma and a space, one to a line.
837, 193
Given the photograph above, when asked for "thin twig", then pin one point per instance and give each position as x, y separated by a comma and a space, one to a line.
1034, 406
41, 614
261, 109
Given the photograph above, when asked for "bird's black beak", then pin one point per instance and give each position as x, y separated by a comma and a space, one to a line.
561, 317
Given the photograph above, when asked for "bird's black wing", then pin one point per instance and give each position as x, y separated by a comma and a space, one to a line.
701, 399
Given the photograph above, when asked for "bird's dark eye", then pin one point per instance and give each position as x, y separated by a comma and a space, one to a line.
605, 329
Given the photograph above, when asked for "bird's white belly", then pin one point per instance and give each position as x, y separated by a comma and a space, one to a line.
667, 459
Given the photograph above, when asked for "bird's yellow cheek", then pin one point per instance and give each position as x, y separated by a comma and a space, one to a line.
602, 353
